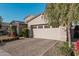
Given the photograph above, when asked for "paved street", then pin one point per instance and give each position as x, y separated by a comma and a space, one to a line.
28, 47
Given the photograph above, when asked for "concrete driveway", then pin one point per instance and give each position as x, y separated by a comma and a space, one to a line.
28, 47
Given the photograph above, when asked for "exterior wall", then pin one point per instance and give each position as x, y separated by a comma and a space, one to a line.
35, 21
38, 20
50, 33
46, 33
28, 18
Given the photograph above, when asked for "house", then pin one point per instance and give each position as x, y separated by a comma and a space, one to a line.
17, 26
28, 18
39, 28
4, 28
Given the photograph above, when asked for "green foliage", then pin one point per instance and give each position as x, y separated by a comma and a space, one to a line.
65, 49
25, 32
61, 13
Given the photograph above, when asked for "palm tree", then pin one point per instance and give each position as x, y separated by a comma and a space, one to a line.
62, 14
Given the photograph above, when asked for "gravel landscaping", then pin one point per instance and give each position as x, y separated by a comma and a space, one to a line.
30, 47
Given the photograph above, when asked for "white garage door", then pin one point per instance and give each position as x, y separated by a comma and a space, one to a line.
46, 32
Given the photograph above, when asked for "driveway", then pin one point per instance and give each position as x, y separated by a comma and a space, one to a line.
28, 47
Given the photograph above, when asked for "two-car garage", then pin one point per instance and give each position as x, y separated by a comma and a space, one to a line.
39, 29
47, 32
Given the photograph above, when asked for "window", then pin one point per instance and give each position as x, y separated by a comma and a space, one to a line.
40, 26
34, 26
46, 26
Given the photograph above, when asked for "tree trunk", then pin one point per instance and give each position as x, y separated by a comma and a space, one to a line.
69, 36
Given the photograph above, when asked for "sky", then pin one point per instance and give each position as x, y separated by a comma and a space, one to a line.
17, 11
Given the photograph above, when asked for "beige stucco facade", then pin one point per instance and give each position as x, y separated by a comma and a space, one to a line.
28, 18
46, 33
38, 20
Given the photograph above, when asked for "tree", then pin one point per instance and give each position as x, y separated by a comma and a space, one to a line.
1, 21
62, 14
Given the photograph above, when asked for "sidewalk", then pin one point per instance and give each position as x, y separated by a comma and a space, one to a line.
3, 53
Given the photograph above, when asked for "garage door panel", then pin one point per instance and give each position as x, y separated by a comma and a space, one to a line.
50, 33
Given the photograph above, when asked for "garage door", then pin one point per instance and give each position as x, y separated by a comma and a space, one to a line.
47, 32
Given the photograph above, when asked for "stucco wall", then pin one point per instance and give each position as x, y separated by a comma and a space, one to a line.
47, 33
28, 18
38, 20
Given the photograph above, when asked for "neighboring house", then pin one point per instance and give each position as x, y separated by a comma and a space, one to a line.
18, 25
40, 29
4, 28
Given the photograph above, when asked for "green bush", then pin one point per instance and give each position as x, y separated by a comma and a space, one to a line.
65, 50
25, 32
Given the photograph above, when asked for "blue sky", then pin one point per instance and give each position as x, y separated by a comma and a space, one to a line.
17, 11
